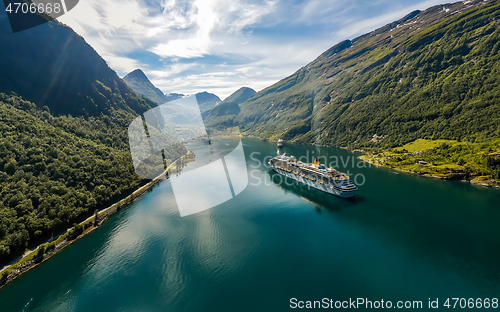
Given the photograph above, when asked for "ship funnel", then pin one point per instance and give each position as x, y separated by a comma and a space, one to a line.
317, 162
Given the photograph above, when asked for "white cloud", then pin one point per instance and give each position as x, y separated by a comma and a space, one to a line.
188, 46
121, 63
201, 17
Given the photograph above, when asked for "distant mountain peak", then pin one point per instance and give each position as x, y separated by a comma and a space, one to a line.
139, 82
207, 100
240, 96
173, 96
225, 112
245, 89
137, 73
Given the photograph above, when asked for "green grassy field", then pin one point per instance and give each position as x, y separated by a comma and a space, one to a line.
421, 145
447, 159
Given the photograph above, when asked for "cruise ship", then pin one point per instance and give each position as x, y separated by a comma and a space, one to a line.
316, 175
280, 142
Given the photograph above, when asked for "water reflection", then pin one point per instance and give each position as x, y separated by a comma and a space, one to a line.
455, 239
276, 241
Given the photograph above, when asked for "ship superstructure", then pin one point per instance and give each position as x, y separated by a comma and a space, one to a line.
316, 175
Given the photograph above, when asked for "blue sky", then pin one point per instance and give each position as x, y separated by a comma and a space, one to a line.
187, 46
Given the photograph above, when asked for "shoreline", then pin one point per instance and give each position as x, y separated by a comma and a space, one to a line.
28, 262
426, 175
391, 168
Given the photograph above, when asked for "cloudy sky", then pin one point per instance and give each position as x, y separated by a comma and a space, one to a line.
187, 46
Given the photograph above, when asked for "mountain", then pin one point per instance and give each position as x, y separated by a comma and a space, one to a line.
138, 81
52, 66
207, 100
240, 96
173, 96
64, 146
184, 112
224, 113
178, 114
432, 74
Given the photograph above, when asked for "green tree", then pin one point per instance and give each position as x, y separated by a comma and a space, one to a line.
467, 173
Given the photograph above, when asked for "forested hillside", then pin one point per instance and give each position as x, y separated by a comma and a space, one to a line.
55, 171
64, 150
431, 75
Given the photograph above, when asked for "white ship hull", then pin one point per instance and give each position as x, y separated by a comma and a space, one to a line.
322, 187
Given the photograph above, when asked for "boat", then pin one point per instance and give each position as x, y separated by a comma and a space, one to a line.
316, 175
280, 142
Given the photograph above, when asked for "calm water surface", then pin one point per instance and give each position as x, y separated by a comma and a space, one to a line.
402, 237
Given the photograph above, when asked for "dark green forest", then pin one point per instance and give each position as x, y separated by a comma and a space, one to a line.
56, 170
64, 149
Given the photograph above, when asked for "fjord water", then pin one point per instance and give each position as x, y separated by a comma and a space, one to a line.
402, 237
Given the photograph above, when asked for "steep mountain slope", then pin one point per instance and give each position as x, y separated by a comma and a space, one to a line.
138, 81
57, 169
432, 74
207, 100
224, 113
52, 66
